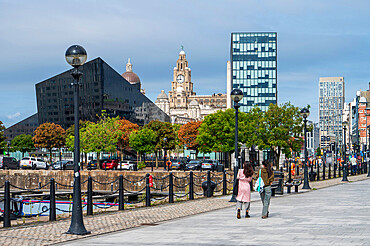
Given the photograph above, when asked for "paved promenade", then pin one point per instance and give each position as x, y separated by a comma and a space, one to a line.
339, 215
188, 222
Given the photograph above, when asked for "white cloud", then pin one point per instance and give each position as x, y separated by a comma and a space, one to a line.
12, 116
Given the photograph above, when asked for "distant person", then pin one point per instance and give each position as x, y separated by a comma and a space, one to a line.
354, 164
267, 176
244, 190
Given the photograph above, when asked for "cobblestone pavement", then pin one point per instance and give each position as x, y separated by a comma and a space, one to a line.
46, 233
337, 215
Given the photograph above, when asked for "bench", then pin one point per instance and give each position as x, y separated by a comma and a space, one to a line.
295, 182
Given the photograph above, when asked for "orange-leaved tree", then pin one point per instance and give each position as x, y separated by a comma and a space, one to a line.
188, 135
126, 127
49, 136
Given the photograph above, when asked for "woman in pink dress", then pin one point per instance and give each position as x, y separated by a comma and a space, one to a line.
244, 191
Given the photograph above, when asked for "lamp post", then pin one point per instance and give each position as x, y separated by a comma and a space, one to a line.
345, 153
164, 157
236, 95
305, 113
76, 56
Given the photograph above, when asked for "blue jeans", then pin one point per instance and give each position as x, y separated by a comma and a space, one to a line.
265, 198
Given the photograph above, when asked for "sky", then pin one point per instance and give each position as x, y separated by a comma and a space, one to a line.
315, 39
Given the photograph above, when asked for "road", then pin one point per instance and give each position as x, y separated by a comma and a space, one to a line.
338, 215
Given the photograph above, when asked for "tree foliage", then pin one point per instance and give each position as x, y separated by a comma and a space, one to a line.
143, 141
164, 130
23, 143
126, 127
84, 140
49, 136
2, 137
188, 134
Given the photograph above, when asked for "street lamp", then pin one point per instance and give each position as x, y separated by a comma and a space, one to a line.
305, 113
345, 152
236, 95
164, 157
76, 56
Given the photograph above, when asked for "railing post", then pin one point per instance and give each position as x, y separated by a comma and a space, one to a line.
224, 184
121, 197
323, 170
52, 209
289, 178
7, 204
329, 172
335, 172
339, 168
147, 191
318, 171
191, 186
170, 188
89, 196
209, 193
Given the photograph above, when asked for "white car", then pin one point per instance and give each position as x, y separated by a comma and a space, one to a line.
126, 165
33, 163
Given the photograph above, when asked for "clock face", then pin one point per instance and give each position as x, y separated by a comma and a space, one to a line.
180, 78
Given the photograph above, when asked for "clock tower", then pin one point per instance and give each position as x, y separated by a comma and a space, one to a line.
181, 86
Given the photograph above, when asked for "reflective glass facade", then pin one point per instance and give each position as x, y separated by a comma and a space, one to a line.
254, 68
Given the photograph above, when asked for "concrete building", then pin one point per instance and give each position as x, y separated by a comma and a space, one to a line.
331, 103
182, 103
313, 138
253, 68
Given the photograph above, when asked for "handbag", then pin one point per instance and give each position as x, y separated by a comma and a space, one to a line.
236, 187
258, 186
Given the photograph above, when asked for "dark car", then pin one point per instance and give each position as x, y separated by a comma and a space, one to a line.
194, 165
178, 164
9, 163
210, 165
93, 164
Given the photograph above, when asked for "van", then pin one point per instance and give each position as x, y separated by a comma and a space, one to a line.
7, 162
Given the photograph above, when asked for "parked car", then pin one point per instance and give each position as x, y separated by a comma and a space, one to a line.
178, 164
93, 164
8, 162
127, 165
210, 165
33, 163
110, 164
61, 165
194, 165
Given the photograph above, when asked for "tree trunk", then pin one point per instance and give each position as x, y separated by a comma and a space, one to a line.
156, 159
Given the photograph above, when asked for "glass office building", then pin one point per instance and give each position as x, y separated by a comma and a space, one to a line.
254, 68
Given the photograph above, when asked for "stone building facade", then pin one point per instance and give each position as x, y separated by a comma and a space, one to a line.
182, 104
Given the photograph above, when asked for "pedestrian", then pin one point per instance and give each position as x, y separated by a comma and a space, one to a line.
354, 164
267, 176
244, 191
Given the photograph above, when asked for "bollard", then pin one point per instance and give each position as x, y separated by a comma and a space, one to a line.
289, 178
191, 185
296, 188
335, 172
147, 191
170, 188
89, 196
329, 171
318, 171
52, 212
339, 168
7, 204
323, 170
224, 184
121, 205
344, 172
209, 192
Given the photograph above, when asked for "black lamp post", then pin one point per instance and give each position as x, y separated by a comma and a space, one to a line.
164, 157
345, 153
305, 113
236, 95
76, 56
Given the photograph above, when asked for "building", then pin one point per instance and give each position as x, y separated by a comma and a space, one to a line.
313, 138
132, 77
361, 119
253, 68
331, 103
102, 89
182, 103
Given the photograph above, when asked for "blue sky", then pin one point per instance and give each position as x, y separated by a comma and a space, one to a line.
315, 39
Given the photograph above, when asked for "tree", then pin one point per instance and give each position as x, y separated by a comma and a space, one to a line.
22, 143
280, 130
126, 127
84, 140
2, 138
143, 141
318, 151
188, 135
49, 136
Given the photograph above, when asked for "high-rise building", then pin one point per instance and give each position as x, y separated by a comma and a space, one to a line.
253, 68
331, 103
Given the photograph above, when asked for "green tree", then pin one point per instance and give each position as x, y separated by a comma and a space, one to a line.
84, 143
318, 151
49, 136
23, 143
143, 141
280, 130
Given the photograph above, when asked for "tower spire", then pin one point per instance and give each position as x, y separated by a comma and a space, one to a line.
128, 66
